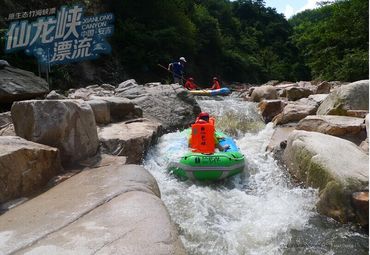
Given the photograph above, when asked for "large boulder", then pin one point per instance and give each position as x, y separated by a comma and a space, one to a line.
25, 167
171, 105
332, 125
131, 138
295, 111
295, 93
68, 125
323, 88
264, 92
337, 167
17, 84
270, 108
119, 108
107, 210
354, 96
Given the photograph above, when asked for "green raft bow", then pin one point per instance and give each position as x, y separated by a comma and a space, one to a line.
210, 167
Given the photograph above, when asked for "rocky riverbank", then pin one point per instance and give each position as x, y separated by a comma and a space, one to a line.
93, 134
323, 140
83, 140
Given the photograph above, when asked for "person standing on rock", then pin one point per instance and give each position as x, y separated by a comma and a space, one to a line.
177, 69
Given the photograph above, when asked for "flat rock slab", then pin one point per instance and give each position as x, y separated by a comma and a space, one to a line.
332, 125
131, 138
25, 167
107, 210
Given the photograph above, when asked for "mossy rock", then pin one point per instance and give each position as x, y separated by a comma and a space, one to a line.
335, 166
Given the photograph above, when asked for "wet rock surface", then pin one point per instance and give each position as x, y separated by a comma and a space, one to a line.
101, 211
68, 125
25, 167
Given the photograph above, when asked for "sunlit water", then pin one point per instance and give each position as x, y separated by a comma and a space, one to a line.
257, 212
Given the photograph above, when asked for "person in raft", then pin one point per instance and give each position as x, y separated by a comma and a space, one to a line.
177, 69
189, 84
216, 84
203, 138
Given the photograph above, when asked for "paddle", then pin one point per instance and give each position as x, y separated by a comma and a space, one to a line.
171, 72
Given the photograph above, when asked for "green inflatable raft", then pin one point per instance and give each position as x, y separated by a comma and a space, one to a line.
210, 167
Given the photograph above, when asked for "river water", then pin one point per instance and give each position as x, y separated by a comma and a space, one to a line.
260, 211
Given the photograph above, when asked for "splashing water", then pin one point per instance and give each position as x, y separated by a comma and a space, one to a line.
256, 212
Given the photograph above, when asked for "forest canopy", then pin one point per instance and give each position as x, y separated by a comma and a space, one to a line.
238, 41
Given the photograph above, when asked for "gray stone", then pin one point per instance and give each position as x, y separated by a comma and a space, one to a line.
264, 92
332, 125
3, 63
120, 108
131, 138
354, 96
323, 88
17, 84
101, 111
318, 98
280, 135
5, 119
270, 108
128, 83
25, 167
295, 93
92, 91
336, 166
294, 112
7, 130
107, 210
68, 125
54, 95
158, 103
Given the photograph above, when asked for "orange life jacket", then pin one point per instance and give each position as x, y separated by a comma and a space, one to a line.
202, 137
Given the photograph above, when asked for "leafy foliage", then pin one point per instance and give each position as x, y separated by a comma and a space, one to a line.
240, 40
334, 40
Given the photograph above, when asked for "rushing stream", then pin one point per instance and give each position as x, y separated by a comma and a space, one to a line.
258, 212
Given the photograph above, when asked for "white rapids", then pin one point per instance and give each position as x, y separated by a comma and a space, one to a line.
252, 213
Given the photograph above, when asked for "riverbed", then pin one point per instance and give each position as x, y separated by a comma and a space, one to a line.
261, 211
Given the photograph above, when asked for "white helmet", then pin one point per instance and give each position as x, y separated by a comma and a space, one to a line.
183, 59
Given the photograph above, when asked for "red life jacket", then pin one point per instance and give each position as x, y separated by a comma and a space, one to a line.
216, 85
190, 85
202, 137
